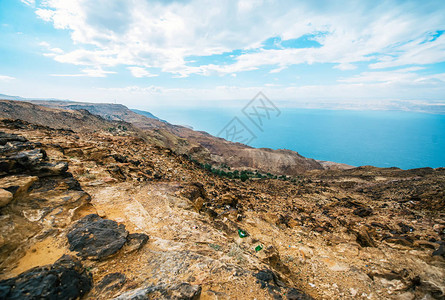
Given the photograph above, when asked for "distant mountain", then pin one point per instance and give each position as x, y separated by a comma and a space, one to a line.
8, 97
18, 98
77, 120
147, 114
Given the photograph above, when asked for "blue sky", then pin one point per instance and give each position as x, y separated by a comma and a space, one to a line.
145, 53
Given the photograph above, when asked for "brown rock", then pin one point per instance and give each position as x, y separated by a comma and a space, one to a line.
17, 184
228, 199
425, 244
5, 197
400, 240
364, 238
198, 203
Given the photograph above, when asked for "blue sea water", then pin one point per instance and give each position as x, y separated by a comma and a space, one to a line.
379, 138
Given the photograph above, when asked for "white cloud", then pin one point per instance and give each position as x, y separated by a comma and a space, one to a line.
140, 72
421, 51
44, 44
358, 92
345, 66
408, 75
163, 34
29, 2
53, 52
92, 72
6, 78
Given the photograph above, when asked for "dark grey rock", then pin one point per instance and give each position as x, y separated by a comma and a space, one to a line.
10, 137
268, 279
65, 279
440, 251
95, 238
135, 241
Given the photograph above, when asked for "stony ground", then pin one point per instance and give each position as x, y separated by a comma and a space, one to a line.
134, 220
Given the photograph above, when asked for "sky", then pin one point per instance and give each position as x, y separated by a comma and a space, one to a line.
145, 53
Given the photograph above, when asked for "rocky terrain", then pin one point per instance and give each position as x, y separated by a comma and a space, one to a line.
93, 213
199, 145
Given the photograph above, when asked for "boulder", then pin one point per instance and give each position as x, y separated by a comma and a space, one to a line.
95, 238
65, 279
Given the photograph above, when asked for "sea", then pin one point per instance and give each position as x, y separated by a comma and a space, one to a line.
379, 138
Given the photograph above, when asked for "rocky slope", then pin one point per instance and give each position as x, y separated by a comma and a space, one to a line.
197, 144
125, 218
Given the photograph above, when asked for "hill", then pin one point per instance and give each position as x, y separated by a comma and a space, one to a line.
199, 145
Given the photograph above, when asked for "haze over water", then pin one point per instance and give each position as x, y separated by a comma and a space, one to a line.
379, 138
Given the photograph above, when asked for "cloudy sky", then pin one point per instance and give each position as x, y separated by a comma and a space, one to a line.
141, 52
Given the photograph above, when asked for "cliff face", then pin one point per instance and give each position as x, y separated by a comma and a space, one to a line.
124, 218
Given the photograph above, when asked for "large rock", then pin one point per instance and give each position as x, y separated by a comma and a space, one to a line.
95, 238
65, 279
10, 137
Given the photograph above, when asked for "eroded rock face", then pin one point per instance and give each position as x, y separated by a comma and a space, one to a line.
44, 200
96, 238
65, 279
